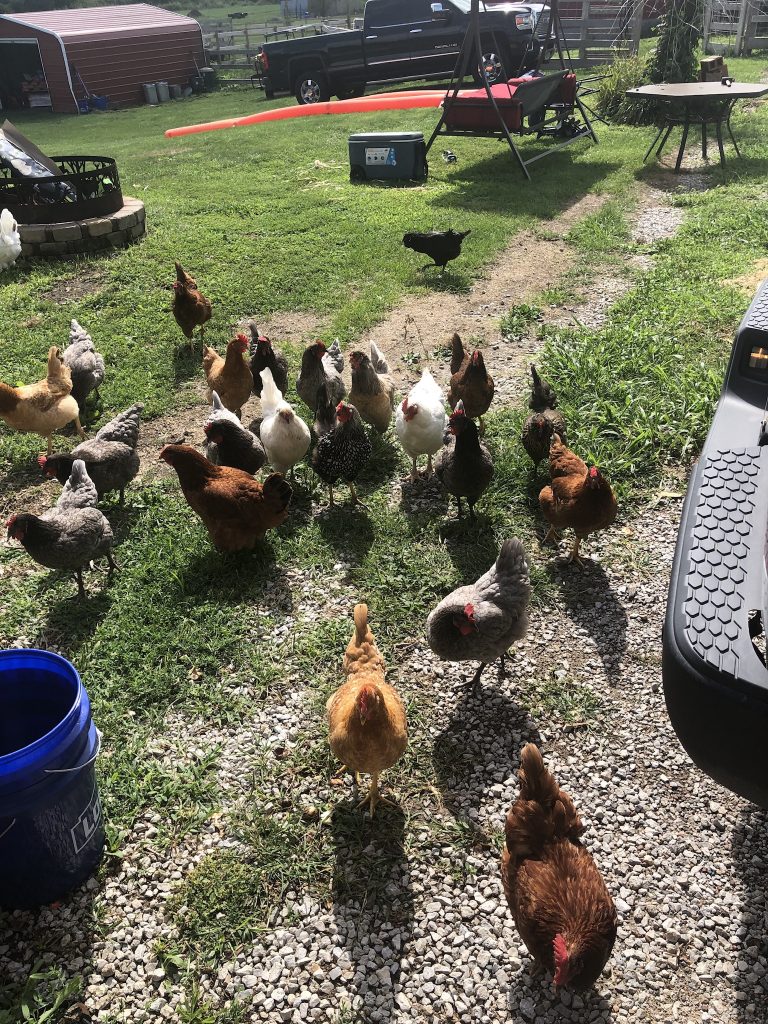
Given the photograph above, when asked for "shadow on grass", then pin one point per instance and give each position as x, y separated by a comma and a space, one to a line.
480, 746
236, 577
372, 896
497, 184
590, 602
187, 362
348, 529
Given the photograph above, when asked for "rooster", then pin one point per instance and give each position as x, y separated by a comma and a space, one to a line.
229, 443
190, 307
235, 509
265, 357
373, 391
85, 364
110, 457
464, 467
367, 728
284, 434
579, 497
70, 535
342, 452
481, 621
440, 246
556, 893
45, 406
420, 421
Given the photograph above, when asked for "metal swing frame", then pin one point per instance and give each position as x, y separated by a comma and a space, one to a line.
471, 54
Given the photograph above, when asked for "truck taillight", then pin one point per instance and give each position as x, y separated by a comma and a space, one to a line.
524, 21
264, 60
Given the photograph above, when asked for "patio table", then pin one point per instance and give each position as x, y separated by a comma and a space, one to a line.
698, 103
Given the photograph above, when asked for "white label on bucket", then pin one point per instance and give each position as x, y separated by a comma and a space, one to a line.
381, 155
87, 823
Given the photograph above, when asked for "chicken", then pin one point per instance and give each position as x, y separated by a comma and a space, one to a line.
229, 376
85, 364
440, 246
71, 534
337, 358
316, 367
236, 510
543, 401
479, 622
325, 411
229, 443
464, 467
459, 355
420, 421
372, 393
557, 896
190, 307
110, 458
579, 497
45, 406
284, 434
265, 357
341, 453
473, 385
10, 240
367, 727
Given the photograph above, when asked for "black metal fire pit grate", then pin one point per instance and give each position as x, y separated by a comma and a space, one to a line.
88, 186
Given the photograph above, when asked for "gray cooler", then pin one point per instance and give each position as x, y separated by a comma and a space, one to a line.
399, 156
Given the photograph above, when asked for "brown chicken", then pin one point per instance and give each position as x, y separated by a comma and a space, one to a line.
555, 891
373, 391
45, 406
229, 376
190, 306
366, 718
545, 420
473, 385
579, 497
459, 355
235, 509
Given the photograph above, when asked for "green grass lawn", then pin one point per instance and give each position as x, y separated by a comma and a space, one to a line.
267, 220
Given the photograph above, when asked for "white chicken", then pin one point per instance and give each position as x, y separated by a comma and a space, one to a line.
10, 240
285, 435
420, 421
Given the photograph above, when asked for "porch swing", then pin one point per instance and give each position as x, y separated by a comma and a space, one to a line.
543, 105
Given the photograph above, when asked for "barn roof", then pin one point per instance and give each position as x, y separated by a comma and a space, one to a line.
105, 22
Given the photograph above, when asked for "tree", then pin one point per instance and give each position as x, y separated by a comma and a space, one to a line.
674, 59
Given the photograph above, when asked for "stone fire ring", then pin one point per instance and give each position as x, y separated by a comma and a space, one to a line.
94, 234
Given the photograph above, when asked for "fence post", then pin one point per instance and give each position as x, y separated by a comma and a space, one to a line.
636, 25
584, 32
742, 47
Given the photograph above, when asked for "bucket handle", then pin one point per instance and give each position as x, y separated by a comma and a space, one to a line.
8, 829
63, 771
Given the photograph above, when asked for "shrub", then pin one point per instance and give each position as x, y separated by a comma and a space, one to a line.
611, 97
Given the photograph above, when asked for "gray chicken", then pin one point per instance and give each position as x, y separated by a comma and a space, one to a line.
373, 391
71, 534
464, 467
229, 443
316, 367
479, 622
336, 356
110, 456
85, 364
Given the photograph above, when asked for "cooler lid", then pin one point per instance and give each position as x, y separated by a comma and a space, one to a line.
383, 138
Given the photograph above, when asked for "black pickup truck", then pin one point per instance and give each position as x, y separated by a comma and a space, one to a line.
404, 40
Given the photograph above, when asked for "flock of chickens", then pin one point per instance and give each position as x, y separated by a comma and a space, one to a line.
557, 896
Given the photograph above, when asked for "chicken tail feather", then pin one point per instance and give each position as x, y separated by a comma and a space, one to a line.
361, 622
278, 491
539, 785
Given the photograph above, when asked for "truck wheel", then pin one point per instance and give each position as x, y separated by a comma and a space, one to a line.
494, 67
311, 87
351, 94
269, 94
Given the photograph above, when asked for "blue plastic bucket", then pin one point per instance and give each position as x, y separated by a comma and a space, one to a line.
83, 106
51, 829
99, 102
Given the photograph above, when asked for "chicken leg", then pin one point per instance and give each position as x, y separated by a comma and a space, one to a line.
474, 682
79, 427
430, 467
355, 499
551, 535
80, 587
573, 554
373, 797
414, 470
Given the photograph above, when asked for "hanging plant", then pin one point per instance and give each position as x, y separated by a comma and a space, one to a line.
675, 56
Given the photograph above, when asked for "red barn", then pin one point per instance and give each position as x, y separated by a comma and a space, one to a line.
45, 57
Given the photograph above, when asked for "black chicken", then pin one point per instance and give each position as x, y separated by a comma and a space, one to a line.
465, 467
342, 452
440, 246
265, 357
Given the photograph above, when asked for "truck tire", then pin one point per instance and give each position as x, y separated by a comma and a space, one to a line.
497, 67
311, 86
352, 93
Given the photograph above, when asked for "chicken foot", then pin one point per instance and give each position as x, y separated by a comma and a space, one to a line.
79, 428
373, 797
573, 554
551, 535
355, 499
80, 587
474, 682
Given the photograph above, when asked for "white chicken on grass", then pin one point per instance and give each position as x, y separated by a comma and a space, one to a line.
420, 421
10, 240
285, 435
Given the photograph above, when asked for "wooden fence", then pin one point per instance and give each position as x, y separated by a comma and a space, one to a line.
599, 31
735, 26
